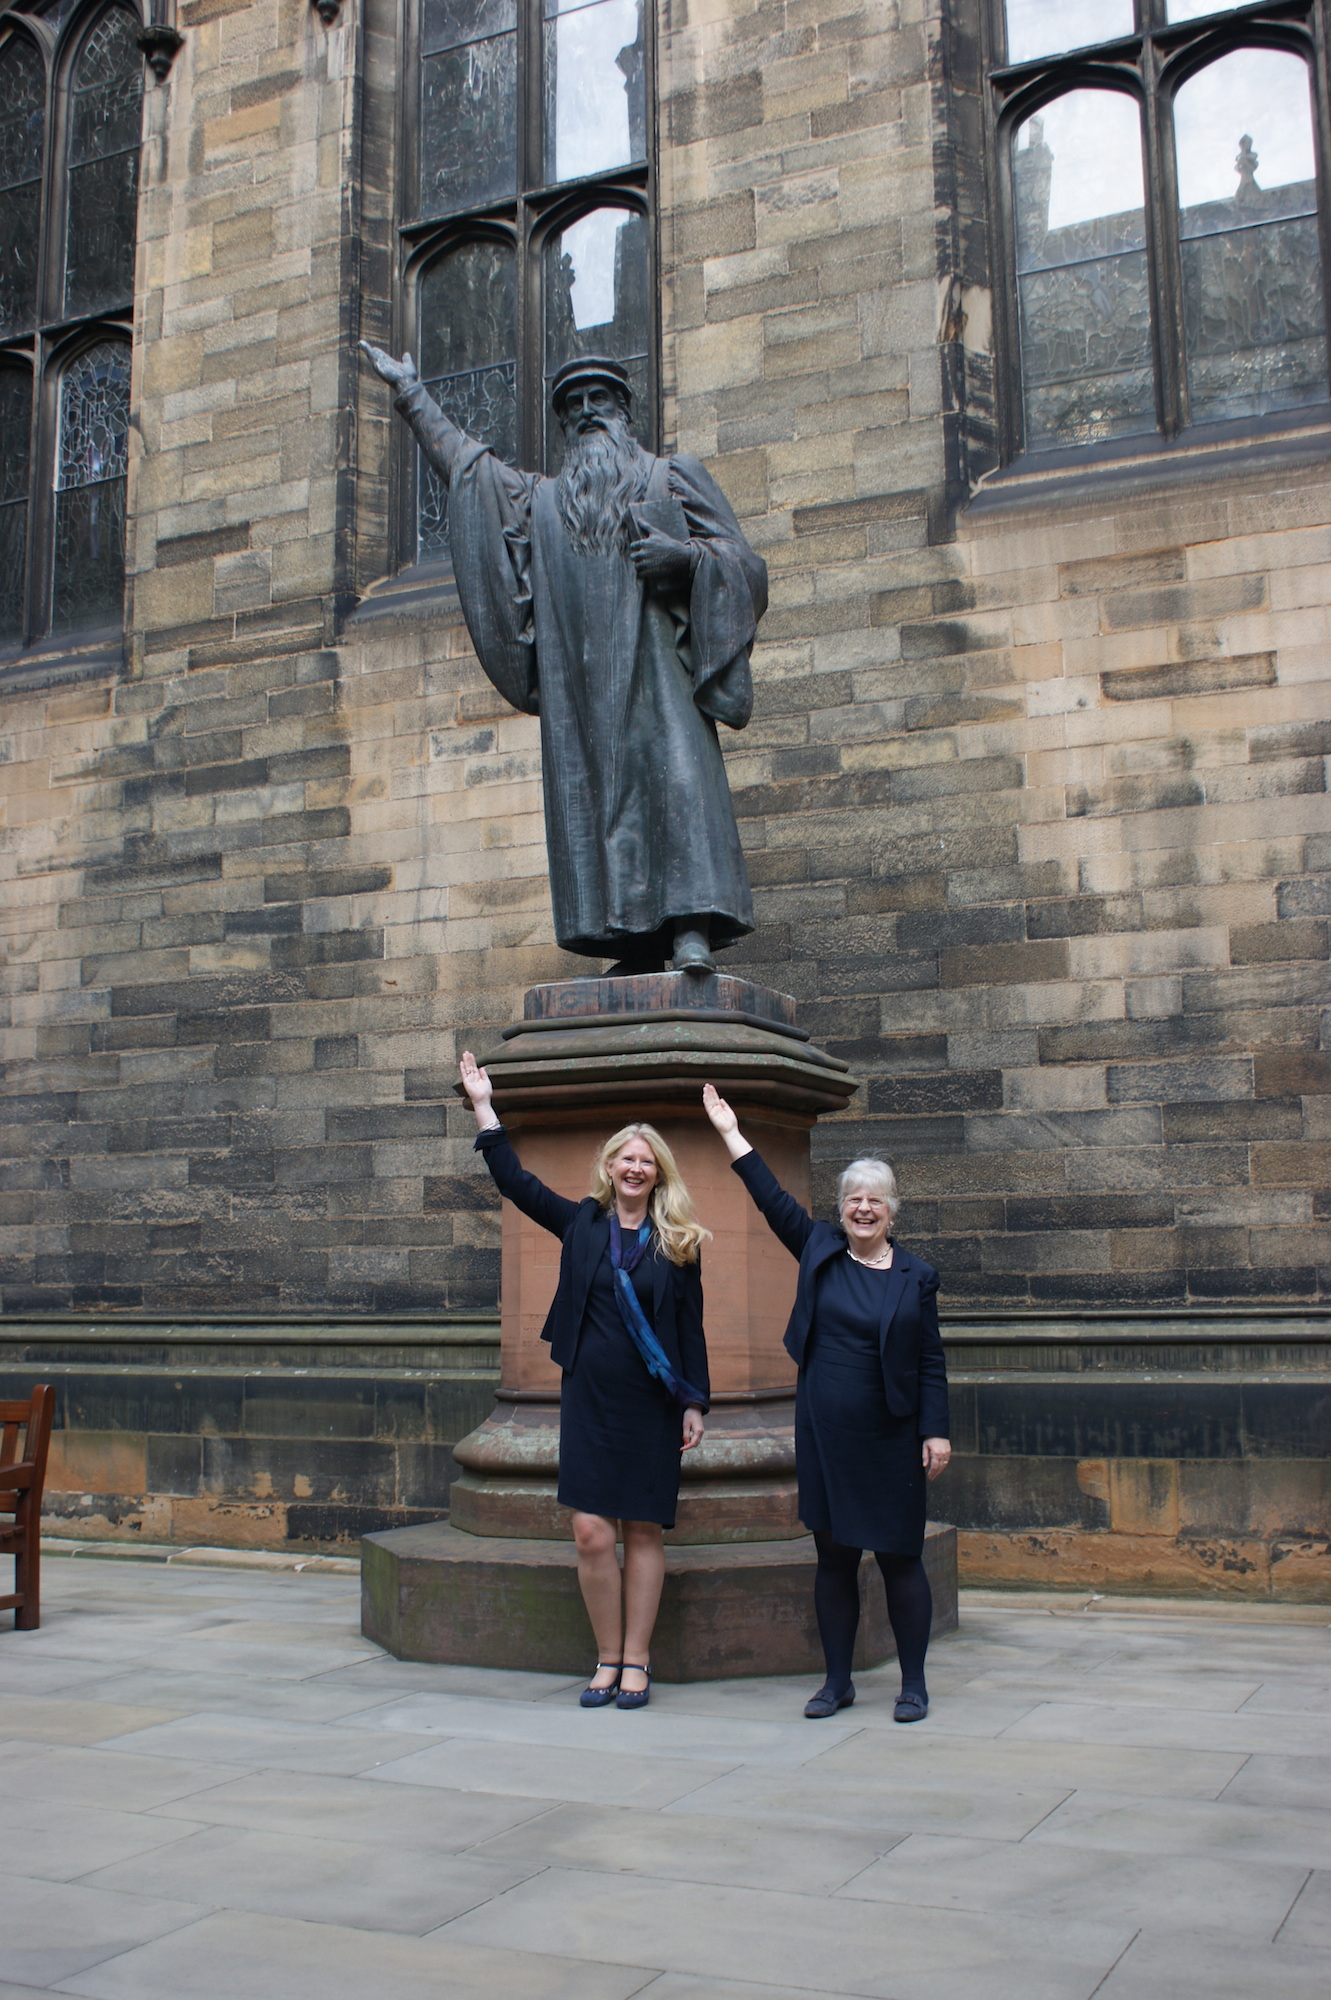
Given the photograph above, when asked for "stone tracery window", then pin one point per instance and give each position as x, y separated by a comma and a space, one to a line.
1163, 203
529, 235
71, 89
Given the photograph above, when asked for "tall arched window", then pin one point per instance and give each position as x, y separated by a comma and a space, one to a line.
71, 91
1166, 216
529, 235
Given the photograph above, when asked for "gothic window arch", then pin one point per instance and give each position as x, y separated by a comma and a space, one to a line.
1163, 207
71, 89
528, 233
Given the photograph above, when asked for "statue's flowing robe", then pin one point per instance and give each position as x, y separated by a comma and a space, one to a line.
629, 684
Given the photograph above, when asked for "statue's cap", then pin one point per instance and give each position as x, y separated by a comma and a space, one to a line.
590, 368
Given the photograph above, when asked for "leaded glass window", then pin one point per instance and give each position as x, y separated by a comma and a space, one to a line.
15, 465
71, 105
92, 461
531, 241
22, 131
1164, 208
105, 115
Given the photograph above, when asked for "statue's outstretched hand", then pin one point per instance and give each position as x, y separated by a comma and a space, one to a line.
402, 374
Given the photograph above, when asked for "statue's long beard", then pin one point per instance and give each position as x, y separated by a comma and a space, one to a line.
604, 472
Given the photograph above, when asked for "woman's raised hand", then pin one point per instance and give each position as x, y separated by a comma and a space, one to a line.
479, 1089
725, 1121
718, 1110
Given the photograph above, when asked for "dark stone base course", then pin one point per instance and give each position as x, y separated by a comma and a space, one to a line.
727, 1611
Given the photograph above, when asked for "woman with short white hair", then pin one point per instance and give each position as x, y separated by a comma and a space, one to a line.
871, 1416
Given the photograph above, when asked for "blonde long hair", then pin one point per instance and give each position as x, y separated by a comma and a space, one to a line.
669, 1207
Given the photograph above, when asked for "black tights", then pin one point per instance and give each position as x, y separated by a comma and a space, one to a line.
836, 1600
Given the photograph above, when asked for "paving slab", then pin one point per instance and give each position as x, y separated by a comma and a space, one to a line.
424, 1816
55, 1773
1117, 1824
322, 1880
62, 1842
268, 1743
828, 1947
1156, 1727
51, 1930
1245, 1899
1201, 1968
235, 1955
685, 1847
811, 1797
593, 1777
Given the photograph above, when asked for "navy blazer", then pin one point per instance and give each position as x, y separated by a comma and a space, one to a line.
914, 1369
583, 1227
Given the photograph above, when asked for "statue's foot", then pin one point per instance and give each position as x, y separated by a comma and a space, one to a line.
691, 953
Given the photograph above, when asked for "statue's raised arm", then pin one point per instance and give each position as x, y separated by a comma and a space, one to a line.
402, 374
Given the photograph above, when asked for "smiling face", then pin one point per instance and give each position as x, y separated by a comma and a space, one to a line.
633, 1173
866, 1217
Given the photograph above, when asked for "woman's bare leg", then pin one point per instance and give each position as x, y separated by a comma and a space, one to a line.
644, 1574
602, 1593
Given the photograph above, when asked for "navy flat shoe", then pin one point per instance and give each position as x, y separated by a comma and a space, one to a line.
911, 1708
825, 1703
601, 1697
631, 1697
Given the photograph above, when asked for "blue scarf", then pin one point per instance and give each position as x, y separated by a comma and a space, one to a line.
623, 1263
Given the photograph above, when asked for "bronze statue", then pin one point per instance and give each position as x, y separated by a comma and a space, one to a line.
618, 602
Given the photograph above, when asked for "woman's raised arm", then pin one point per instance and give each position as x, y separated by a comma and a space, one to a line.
550, 1210
791, 1224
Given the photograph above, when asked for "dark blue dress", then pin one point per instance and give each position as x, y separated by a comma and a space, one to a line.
860, 1470
619, 1430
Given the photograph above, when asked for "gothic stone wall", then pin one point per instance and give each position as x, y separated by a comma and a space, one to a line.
1034, 804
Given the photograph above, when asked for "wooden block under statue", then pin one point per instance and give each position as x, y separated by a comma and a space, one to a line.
589, 1056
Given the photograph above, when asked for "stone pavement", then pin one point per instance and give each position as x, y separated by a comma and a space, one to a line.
212, 1788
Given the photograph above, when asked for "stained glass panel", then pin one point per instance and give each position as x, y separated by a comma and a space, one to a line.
1051, 27
467, 349
469, 104
1253, 315
595, 87
90, 489
104, 126
22, 123
15, 417
1082, 281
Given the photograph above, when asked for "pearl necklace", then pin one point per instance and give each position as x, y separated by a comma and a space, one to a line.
871, 1263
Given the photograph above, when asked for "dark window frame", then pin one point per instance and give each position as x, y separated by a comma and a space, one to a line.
46, 352
1147, 66
525, 222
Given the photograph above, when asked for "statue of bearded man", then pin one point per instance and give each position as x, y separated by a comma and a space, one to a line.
618, 602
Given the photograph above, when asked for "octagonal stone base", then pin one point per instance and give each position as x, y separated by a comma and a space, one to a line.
728, 1610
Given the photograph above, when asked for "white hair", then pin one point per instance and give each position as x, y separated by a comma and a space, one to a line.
875, 1177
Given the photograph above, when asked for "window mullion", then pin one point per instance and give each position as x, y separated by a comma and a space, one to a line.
1163, 260
1321, 73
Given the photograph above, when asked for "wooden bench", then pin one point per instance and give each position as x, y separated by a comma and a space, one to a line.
21, 1481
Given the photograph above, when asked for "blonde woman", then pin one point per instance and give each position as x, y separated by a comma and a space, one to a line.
626, 1328
871, 1417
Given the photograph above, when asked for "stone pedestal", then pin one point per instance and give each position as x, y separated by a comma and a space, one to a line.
588, 1056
